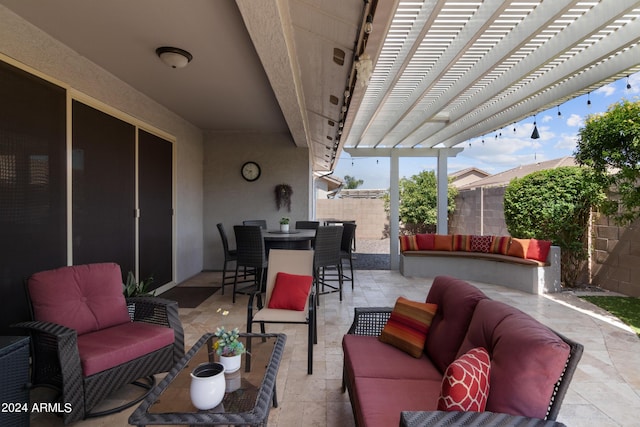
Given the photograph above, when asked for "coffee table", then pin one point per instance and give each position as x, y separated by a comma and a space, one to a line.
248, 397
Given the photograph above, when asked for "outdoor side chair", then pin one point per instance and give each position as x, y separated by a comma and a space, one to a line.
251, 255
230, 255
327, 256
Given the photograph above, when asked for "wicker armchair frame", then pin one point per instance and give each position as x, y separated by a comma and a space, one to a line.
56, 360
370, 321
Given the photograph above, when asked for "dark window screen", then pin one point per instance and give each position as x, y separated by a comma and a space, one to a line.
103, 193
155, 178
32, 185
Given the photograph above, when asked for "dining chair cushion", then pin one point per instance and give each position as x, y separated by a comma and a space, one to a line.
86, 297
104, 349
290, 291
408, 325
465, 385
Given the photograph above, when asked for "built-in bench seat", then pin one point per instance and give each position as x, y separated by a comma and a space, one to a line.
511, 269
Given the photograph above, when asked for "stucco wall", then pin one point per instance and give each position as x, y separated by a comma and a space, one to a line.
45, 56
229, 199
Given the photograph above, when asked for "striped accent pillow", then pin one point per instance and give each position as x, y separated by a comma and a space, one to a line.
408, 243
408, 325
462, 242
500, 245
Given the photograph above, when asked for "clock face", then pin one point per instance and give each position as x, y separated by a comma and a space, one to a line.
250, 171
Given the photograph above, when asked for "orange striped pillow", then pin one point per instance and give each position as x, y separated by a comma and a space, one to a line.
408, 325
408, 243
462, 242
500, 245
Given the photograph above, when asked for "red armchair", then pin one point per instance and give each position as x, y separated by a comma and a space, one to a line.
88, 340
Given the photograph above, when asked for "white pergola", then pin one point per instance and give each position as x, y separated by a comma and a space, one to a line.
448, 71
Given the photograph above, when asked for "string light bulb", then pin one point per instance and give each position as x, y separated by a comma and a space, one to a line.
588, 99
559, 113
628, 84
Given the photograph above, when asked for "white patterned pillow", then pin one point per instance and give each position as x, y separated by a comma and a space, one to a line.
465, 386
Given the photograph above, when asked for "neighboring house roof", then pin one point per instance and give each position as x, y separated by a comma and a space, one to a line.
466, 176
333, 182
503, 178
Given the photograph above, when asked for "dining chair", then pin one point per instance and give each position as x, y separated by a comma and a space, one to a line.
307, 225
230, 255
251, 255
327, 255
289, 297
346, 249
259, 222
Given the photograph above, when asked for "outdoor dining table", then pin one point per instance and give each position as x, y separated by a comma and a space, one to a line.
292, 239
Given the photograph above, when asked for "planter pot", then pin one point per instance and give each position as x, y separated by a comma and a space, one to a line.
284, 228
230, 363
207, 385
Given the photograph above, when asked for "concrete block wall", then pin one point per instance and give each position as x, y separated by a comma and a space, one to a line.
479, 211
369, 214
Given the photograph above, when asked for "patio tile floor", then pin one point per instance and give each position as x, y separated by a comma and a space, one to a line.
605, 390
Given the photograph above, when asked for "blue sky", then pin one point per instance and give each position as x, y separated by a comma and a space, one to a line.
557, 139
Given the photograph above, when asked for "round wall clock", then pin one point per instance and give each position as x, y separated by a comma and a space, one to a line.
250, 171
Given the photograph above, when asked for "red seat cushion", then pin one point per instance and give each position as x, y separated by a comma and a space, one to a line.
465, 386
290, 292
86, 297
113, 346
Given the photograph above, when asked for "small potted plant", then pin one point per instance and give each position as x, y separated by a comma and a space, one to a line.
284, 224
229, 348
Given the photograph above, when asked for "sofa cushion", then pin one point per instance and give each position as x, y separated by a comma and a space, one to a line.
443, 242
456, 300
527, 358
408, 325
538, 250
461, 242
465, 386
425, 242
290, 291
366, 356
518, 248
379, 401
481, 244
119, 344
408, 243
86, 297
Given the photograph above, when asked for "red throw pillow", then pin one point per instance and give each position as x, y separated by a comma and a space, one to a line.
425, 242
290, 292
408, 243
481, 243
518, 248
408, 325
500, 245
465, 386
461, 242
538, 250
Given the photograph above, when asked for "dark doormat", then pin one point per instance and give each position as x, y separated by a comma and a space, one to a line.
189, 296
371, 261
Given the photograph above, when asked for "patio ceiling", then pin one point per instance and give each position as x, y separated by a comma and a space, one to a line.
448, 71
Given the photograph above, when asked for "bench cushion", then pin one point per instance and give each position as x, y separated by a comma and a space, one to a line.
380, 400
527, 358
113, 346
83, 297
456, 300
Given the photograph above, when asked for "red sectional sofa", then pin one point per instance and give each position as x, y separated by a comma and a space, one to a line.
530, 365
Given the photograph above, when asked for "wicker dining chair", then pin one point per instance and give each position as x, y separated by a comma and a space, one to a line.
251, 255
259, 222
327, 256
346, 249
307, 225
230, 255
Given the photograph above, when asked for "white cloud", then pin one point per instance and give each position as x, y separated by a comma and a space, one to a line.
567, 143
575, 120
547, 118
606, 90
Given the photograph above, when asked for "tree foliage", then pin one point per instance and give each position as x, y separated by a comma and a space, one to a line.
418, 208
555, 205
351, 183
610, 144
